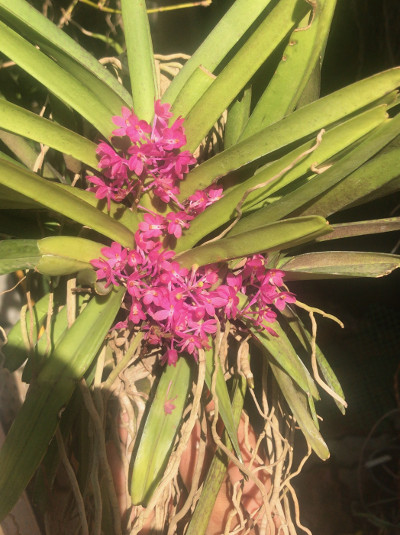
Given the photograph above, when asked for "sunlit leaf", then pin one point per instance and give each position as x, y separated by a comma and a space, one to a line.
26, 18
261, 43
140, 57
218, 43
280, 235
63, 202
27, 124
62, 84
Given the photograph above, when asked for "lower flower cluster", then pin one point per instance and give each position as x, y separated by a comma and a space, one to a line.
179, 309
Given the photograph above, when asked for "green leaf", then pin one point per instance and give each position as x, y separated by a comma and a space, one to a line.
224, 402
273, 176
53, 76
27, 124
298, 404
304, 338
362, 184
362, 228
140, 57
218, 43
199, 81
37, 420
238, 115
217, 471
298, 61
339, 264
275, 236
281, 350
63, 255
127, 217
26, 153
261, 43
301, 123
63, 202
15, 351
18, 254
29, 21
298, 201
159, 431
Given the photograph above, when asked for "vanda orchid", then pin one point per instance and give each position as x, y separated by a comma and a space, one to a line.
156, 218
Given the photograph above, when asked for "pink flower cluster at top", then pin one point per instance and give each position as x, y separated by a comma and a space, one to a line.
178, 308
148, 158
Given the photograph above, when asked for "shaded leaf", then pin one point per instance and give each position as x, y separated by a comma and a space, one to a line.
224, 402
235, 75
299, 59
339, 264
37, 420
15, 351
298, 404
18, 254
362, 228
160, 429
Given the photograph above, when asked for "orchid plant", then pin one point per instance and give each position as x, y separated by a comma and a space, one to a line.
172, 224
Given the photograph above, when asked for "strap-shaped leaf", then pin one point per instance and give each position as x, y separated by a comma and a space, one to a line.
333, 142
18, 254
218, 43
238, 115
281, 350
63, 202
362, 228
301, 123
36, 422
27, 124
298, 61
280, 235
340, 264
160, 429
362, 185
63, 255
295, 202
27, 19
304, 337
15, 351
261, 43
217, 471
124, 215
26, 153
298, 404
140, 57
224, 402
59, 82
55, 255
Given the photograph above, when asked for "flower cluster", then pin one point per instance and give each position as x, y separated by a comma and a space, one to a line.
179, 309
146, 157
